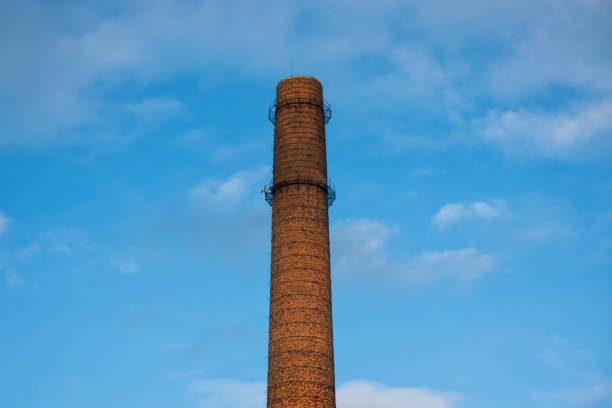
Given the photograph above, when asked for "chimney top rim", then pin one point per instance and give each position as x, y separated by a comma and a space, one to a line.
299, 76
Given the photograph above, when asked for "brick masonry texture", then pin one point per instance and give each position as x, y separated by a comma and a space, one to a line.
300, 350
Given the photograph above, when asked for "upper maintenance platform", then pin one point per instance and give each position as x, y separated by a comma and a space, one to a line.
299, 115
296, 91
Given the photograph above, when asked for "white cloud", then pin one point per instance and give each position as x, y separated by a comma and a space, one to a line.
553, 134
155, 108
360, 248
451, 213
4, 223
578, 397
228, 393
127, 265
366, 394
232, 190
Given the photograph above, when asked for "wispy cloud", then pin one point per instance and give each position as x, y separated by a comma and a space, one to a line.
4, 223
455, 212
155, 108
232, 189
562, 134
127, 265
533, 50
227, 213
545, 231
466, 263
65, 241
576, 397
553, 355
60, 244
360, 248
26, 252
13, 279
426, 171
584, 384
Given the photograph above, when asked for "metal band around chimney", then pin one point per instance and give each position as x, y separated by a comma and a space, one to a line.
297, 103
328, 189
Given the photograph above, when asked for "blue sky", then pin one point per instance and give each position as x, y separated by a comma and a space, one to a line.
471, 236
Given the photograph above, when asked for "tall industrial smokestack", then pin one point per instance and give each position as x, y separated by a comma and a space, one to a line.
300, 348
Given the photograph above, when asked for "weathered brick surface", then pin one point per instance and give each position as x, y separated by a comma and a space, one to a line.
295, 300
304, 401
290, 389
300, 351
300, 344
